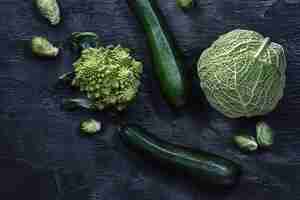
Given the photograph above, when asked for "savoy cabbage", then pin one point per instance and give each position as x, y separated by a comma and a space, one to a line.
243, 74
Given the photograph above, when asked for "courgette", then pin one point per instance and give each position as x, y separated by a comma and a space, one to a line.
201, 166
166, 58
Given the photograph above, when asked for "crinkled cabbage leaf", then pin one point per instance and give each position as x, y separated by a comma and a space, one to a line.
243, 74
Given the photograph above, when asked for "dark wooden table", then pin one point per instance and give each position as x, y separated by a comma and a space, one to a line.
34, 127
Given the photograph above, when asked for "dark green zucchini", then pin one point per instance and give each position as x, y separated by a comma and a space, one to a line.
166, 59
202, 166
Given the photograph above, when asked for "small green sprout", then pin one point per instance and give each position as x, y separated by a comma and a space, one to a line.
50, 10
90, 126
43, 48
185, 4
264, 135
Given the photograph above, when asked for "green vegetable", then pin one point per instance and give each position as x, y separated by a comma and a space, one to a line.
185, 4
50, 10
166, 59
243, 74
74, 104
245, 142
202, 166
84, 40
265, 135
109, 76
90, 127
43, 48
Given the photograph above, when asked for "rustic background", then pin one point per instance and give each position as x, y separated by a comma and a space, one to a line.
58, 162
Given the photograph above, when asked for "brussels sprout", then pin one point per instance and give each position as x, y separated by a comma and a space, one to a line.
264, 135
245, 142
243, 74
84, 40
50, 10
110, 77
43, 48
90, 126
185, 4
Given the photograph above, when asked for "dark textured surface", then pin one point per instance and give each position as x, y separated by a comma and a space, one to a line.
35, 128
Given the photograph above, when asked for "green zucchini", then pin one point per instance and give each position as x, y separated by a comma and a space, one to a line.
166, 58
202, 166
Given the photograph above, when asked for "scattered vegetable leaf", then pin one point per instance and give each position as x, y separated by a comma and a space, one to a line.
246, 142
264, 135
84, 40
73, 104
67, 78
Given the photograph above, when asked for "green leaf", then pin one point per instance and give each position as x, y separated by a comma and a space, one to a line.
264, 135
245, 142
74, 104
67, 78
84, 40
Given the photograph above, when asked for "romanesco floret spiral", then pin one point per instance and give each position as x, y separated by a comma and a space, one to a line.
108, 75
